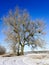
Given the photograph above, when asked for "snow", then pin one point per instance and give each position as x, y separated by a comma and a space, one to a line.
30, 59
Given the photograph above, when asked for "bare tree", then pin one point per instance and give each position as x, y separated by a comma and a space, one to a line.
21, 30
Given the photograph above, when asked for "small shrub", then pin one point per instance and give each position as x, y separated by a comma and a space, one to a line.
2, 50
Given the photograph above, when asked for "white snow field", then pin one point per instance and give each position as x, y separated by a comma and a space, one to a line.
29, 59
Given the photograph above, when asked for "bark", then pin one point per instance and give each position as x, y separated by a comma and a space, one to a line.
22, 50
18, 51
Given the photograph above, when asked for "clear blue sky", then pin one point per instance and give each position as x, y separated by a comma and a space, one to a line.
37, 9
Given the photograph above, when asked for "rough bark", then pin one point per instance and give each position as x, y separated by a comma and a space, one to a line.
22, 50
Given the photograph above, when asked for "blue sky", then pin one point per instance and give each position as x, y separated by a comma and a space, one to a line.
38, 9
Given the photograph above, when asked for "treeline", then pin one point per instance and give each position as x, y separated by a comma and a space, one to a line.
30, 52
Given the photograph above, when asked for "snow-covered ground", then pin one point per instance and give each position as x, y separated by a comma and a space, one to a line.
30, 59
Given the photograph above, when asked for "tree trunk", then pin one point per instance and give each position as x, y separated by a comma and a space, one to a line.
18, 51
14, 52
22, 50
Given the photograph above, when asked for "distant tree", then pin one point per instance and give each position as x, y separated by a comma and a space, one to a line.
21, 30
2, 50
